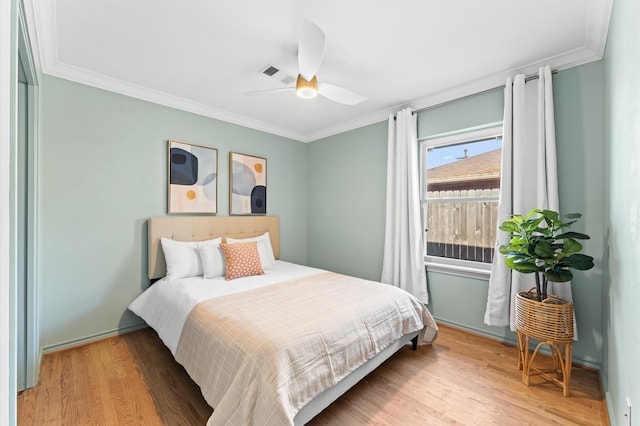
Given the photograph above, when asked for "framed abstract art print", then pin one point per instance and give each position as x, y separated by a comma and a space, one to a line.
247, 184
193, 178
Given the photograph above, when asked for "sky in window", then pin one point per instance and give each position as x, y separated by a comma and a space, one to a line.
448, 154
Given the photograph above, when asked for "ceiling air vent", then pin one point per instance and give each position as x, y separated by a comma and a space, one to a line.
288, 79
270, 71
275, 73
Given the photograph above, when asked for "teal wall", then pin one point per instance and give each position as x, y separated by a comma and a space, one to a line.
621, 289
477, 110
104, 172
346, 220
579, 111
346, 204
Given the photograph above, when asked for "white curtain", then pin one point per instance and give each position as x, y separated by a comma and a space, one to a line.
529, 181
403, 261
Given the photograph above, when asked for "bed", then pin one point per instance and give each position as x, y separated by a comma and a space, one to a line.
272, 348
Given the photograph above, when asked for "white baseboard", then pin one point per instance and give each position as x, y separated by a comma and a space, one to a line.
576, 360
92, 338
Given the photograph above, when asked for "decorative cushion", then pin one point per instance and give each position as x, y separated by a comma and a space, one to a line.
212, 260
241, 260
182, 257
267, 258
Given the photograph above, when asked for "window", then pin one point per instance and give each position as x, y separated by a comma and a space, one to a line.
460, 175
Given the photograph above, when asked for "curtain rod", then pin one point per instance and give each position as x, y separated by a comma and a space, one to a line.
527, 78
537, 76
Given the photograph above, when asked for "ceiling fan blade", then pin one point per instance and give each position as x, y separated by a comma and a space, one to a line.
266, 91
310, 50
339, 94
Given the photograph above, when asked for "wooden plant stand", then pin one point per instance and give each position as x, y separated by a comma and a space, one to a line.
550, 323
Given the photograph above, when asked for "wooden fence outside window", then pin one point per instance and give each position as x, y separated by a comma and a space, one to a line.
462, 224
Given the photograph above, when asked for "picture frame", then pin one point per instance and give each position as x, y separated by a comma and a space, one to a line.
247, 184
192, 178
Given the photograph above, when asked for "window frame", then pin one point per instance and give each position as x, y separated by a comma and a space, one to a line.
466, 268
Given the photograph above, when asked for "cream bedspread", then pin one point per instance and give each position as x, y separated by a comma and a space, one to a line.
261, 355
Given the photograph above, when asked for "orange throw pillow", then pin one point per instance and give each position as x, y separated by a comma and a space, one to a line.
241, 259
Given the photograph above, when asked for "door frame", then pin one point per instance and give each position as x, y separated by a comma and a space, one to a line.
33, 353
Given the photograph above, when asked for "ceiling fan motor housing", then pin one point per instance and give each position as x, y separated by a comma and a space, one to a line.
306, 89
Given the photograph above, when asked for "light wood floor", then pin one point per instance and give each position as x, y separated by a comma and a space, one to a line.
462, 379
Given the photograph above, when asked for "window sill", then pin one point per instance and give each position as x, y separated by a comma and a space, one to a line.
462, 271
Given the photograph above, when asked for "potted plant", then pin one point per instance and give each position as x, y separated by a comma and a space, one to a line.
540, 244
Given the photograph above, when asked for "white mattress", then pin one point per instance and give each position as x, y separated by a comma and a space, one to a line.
166, 304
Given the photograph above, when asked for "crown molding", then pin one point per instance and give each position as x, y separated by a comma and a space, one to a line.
561, 62
111, 84
42, 31
598, 19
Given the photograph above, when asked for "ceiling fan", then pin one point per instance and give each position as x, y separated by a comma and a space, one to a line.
310, 54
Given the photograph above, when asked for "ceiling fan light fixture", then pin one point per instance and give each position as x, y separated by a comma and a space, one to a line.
306, 89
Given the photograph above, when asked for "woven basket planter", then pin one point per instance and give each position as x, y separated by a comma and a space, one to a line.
549, 320
551, 323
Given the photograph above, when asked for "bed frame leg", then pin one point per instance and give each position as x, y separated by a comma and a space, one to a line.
414, 343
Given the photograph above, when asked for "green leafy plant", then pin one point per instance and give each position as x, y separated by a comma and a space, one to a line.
540, 244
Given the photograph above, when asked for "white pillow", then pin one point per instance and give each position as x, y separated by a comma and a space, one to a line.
182, 257
212, 260
265, 250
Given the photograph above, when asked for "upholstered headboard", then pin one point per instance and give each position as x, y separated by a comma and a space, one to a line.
200, 228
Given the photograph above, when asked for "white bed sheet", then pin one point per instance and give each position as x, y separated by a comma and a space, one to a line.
165, 304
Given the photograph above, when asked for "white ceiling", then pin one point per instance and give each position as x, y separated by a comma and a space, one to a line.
201, 56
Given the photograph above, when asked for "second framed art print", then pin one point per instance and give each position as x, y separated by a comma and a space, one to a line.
193, 178
247, 184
